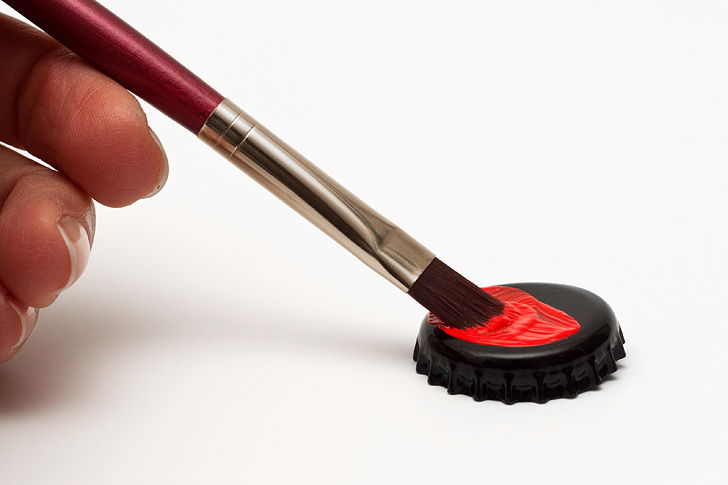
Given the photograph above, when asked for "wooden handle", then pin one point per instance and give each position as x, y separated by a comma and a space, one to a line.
125, 55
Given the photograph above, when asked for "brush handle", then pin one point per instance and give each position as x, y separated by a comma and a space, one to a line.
125, 55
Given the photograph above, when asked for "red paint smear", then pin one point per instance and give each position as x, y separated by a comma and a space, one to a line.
525, 322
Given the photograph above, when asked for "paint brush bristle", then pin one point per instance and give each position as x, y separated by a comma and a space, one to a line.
453, 298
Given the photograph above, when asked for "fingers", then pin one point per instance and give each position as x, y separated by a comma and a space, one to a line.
46, 230
76, 119
16, 323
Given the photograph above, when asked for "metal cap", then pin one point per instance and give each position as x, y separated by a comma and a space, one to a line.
537, 373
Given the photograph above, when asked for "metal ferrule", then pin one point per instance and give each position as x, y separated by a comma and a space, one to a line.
299, 183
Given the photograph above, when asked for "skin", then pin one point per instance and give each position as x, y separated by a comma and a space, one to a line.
94, 134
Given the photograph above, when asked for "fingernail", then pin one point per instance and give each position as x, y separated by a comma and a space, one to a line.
27, 318
165, 172
78, 244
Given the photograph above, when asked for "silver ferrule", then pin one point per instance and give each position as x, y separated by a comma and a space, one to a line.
381, 245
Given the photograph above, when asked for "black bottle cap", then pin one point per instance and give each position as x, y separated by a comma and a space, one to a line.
538, 373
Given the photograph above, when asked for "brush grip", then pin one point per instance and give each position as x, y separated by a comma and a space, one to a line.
119, 51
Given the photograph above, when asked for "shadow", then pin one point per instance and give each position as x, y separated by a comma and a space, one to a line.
62, 362
349, 339
50, 367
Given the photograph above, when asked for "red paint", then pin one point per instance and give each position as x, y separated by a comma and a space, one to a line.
125, 55
525, 322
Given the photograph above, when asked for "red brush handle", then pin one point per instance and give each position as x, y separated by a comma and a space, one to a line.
125, 55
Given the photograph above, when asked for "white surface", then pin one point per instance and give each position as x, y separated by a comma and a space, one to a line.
217, 338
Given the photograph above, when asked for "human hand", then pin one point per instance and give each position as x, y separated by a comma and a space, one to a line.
95, 134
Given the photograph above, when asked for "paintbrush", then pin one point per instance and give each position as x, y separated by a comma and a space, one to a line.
122, 53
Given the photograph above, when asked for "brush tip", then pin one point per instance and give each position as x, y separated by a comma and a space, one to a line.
453, 298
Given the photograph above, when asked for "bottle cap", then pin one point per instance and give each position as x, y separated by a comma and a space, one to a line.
538, 373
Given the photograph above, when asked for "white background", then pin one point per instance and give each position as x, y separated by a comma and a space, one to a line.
218, 338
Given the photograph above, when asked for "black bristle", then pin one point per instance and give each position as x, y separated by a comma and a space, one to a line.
453, 298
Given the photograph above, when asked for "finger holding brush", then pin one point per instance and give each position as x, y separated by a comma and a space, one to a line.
124, 54
115, 48
89, 128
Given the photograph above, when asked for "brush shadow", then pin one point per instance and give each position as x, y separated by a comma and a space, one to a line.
342, 339
58, 365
